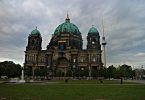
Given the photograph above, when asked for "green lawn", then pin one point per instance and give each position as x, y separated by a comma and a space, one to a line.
73, 90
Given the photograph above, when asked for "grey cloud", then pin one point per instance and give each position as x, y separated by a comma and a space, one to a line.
123, 22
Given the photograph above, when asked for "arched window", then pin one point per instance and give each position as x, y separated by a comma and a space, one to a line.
33, 41
62, 46
94, 58
93, 41
82, 59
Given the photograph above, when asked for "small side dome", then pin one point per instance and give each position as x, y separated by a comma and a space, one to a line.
35, 32
93, 30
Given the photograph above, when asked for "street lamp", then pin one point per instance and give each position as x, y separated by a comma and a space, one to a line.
89, 67
33, 70
142, 72
49, 72
82, 69
73, 67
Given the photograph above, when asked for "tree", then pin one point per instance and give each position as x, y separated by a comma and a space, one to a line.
105, 73
58, 73
2, 70
69, 73
111, 70
43, 71
76, 72
10, 69
28, 71
37, 72
125, 70
101, 72
94, 73
86, 72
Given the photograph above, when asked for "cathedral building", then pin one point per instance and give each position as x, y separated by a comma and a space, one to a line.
64, 51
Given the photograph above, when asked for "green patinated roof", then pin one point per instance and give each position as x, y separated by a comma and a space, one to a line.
67, 26
35, 32
93, 30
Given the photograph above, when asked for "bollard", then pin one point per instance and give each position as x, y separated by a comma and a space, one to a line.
101, 81
121, 80
66, 80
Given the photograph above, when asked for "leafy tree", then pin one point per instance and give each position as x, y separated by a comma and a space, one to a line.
101, 72
10, 69
125, 70
111, 71
69, 73
76, 72
37, 72
28, 71
94, 72
58, 73
132, 74
2, 70
105, 72
86, 72
82, 72
43, 71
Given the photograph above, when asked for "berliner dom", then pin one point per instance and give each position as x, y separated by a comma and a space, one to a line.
64, 53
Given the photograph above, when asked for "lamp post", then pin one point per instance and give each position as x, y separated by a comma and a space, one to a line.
73, 70
33, 70
89, 67
48, 71
73, 67
142, 72
82, 71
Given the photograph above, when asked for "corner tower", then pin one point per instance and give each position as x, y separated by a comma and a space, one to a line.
94, 50
93, 39
34, 40
33, 49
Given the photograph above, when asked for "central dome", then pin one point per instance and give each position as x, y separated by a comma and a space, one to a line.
67, 27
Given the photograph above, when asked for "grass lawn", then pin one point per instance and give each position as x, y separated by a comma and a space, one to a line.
73, 90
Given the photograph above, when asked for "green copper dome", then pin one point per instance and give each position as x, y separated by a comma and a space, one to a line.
67, 27
93, 30
35, 32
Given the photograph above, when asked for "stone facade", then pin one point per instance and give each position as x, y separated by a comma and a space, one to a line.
64, 51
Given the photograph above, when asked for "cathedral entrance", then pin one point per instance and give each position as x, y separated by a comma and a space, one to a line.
62, 65
62, 62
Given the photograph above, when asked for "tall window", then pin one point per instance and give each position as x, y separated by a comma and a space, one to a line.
33, 41
62, 46
94, 58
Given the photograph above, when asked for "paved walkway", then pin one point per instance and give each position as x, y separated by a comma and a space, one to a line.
136, 81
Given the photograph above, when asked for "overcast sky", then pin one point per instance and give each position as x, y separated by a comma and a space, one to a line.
124, 24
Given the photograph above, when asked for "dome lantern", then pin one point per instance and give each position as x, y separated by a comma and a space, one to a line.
67, 18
